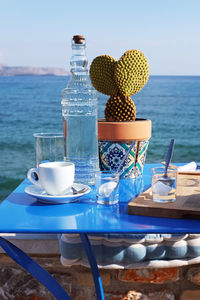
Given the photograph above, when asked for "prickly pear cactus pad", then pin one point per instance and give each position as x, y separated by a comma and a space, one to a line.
120, 109
120, 79
131, 72
102, 74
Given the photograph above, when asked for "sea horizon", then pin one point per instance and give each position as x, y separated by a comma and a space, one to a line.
64, 72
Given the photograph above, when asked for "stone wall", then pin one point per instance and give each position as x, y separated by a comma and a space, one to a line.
142, 284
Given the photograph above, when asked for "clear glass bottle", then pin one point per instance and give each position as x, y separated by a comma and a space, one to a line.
79, 111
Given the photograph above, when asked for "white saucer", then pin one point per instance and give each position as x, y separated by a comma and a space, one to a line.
42, 196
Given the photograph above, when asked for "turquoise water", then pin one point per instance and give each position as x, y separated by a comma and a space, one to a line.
33, 104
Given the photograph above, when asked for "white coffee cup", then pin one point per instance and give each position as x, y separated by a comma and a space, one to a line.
54, 177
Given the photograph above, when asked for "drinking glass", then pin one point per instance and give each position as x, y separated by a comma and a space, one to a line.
107, 187
163, 185
49, 147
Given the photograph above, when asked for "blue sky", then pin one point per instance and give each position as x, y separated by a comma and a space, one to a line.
38, 32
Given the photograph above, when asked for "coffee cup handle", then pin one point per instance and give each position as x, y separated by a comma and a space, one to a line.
31, 176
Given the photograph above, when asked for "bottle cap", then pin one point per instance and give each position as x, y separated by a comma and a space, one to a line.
78, 39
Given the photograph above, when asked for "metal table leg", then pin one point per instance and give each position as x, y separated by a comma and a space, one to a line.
93, 265
34, 269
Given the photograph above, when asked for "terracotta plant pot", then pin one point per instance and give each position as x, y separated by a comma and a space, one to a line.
115, 139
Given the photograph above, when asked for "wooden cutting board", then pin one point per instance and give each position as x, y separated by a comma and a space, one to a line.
187, 204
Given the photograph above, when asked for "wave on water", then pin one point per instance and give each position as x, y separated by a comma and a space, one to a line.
17, 146
7, 185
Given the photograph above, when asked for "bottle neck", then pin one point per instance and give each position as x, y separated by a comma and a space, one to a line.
78, 62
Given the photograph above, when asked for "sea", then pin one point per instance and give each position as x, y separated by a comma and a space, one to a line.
30, 104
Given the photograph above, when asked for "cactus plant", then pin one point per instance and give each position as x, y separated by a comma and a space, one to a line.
120, 80
120, 108
102, 75
131, 72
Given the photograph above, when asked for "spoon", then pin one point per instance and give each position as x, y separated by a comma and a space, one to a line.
75, 191
169, 156
167, 180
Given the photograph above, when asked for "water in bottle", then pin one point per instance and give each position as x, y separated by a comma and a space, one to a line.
79, 111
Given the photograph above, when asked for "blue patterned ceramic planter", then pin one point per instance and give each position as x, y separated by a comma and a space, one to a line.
115, 139
111, 154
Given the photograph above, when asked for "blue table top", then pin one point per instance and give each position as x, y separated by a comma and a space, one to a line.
21, 213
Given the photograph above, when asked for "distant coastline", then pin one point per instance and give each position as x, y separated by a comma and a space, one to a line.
14, 71
40, 71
